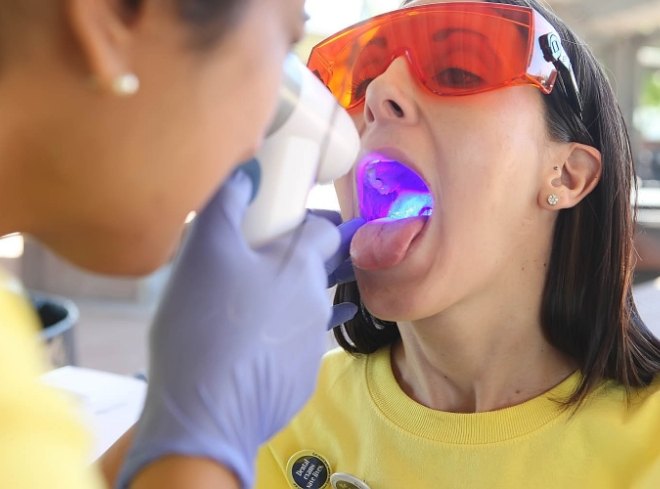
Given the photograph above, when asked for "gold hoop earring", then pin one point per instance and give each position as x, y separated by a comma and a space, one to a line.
126, 85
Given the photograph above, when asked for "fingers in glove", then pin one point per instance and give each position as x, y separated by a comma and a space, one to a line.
346, 231
341, 313
319, 233
333, 216
217, 229
342, 274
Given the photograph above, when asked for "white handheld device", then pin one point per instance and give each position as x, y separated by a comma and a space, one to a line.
312, 140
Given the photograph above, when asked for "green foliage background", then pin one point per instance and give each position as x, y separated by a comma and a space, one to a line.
650, 96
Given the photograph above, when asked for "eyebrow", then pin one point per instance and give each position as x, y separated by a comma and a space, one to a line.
380, 42
445, 33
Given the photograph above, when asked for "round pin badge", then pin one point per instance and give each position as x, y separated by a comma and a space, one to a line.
308, 470
347, 481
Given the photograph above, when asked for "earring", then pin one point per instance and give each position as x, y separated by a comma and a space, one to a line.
125, 85
553, 199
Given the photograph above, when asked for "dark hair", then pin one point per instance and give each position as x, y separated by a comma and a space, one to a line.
587, 311
210, 18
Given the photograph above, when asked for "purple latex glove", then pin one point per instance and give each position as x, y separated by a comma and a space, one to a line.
237, 341
339, 267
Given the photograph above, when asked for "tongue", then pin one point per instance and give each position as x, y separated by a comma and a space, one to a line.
384, 243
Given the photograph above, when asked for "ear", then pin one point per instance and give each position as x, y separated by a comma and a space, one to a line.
571, 177
104, 35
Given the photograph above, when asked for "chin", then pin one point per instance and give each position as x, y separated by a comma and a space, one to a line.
402, 300
385, 302
128, 251
138, 267
143, 260
124, 264
117, 259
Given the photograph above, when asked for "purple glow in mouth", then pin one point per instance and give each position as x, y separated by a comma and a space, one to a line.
387, 188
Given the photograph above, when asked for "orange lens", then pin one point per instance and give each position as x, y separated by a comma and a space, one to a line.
452, 49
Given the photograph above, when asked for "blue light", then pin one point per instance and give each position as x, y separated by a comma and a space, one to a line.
387, 188
411, 205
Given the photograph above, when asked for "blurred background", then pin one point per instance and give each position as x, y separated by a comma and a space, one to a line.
109, 333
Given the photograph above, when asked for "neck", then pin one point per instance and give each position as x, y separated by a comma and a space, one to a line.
480, 356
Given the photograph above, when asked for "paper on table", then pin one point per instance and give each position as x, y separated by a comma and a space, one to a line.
110, 403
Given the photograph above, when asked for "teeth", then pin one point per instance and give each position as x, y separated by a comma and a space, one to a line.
376, 182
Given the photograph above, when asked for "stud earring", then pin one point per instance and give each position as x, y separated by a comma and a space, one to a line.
553, 199
125, 85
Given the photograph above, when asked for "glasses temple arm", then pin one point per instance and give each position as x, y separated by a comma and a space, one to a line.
554, 52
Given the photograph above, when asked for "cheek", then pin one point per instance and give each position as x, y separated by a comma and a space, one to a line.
256, 98
248, 78
236, 119
498, 167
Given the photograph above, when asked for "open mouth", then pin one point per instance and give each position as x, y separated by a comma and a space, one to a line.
388, 188
397, 204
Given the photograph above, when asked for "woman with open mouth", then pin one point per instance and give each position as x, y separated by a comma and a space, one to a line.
497, 343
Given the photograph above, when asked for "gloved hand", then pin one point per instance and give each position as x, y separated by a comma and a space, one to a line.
339, 267
237, 340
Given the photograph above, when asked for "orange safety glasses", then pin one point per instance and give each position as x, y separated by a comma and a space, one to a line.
452, 49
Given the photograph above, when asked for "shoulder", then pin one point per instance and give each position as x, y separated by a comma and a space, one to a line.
37, 423
647, 397
634, 411
326, 419
19, 351
339, 359
340, 366
16, 313
611, 438
635, 399
342, 387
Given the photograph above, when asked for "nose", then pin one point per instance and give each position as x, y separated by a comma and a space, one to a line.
390, 96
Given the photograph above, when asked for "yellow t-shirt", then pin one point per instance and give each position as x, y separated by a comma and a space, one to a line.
41, 444
362, 424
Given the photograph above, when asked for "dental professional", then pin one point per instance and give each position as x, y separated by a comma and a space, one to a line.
119, 117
